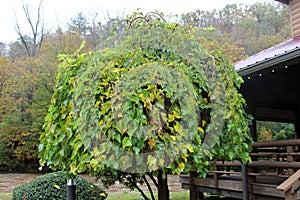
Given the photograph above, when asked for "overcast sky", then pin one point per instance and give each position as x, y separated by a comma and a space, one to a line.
59, 12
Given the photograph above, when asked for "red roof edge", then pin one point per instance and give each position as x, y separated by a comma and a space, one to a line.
269, 54
283, 1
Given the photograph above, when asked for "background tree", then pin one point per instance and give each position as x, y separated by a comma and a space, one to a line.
3, 50
18, 134
37, 30
79, 24
21, 122
275, 130
245, 25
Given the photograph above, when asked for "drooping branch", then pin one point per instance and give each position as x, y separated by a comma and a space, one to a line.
140, 190
149, 187
145, 18
153, 179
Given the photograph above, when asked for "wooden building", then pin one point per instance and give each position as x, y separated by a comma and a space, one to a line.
272, 92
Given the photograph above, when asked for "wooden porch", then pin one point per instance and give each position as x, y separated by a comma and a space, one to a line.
271, 175
272, 91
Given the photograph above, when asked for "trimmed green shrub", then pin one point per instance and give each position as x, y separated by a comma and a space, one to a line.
53, 186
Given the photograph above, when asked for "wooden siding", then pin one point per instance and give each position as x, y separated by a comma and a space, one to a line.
295, 17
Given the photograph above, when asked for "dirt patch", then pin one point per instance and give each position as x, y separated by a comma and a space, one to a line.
9, 181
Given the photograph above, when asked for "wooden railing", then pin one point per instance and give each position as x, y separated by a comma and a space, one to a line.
291, 186
282, 154
271, 160
274, 155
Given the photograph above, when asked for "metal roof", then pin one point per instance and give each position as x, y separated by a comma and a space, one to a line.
269, 57
283, 1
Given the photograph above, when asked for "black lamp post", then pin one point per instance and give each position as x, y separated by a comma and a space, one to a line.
71, 189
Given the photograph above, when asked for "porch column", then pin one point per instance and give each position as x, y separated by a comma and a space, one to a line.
297, 120
250, 179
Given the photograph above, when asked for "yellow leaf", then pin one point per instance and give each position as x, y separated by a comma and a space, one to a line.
152, 143
152, 162
104, 83
176, 114
171, 117
161, 162
190, 148
176, 127
184, 157
203, 123
201, 129
141, 96
181, 166
63, 109
102, 194
171, 64
172, 137
57, 187
97, 104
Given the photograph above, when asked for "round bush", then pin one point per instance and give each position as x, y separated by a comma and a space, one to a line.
53, 186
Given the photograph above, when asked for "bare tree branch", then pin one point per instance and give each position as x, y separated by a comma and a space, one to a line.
37, 30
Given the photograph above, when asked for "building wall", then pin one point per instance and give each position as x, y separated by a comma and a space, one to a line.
295, 17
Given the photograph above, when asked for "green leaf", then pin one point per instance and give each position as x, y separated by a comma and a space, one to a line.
126, 142
151, 162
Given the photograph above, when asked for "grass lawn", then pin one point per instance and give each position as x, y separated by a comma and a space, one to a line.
124, 196
133, 196
5, 196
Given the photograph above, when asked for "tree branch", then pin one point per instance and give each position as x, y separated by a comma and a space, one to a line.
153, 179
140, 190
27, 15
149, 187
18, 30
37, 37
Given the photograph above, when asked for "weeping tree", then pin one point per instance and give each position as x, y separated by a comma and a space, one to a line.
154, 103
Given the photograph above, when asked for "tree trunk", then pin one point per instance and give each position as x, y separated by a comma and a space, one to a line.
163, 190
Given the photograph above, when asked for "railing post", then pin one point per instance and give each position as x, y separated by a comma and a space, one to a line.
194, 194
245, 182
290, 158
216, 180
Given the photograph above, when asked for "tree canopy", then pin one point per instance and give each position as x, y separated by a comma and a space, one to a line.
155, 102
27, 81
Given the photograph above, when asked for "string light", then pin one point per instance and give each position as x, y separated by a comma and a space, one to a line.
260, 74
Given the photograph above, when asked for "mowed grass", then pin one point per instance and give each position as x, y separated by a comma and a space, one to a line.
5, 196
124, 196
184, 195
